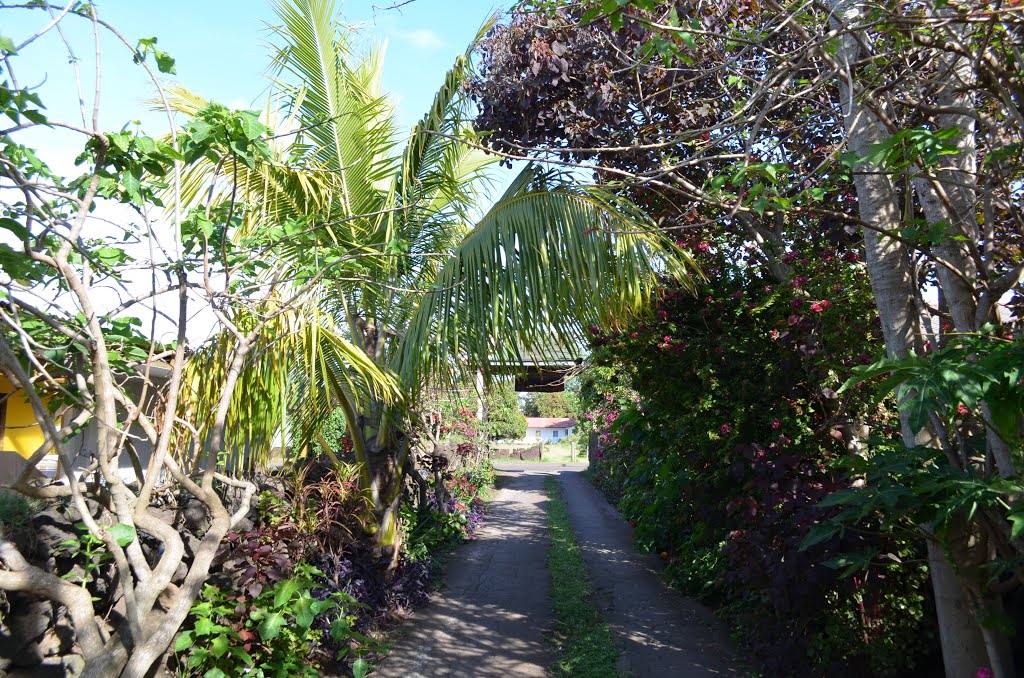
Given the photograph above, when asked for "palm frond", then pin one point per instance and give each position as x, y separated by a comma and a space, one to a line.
542, 265
347, 123
302, 340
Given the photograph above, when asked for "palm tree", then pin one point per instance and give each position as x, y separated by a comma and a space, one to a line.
403, 270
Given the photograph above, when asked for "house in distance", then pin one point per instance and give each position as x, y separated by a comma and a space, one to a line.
548, 429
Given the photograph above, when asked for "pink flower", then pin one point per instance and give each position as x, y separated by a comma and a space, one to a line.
817, 308
703, 247
984, 672
776, 424
725, 429
774, 334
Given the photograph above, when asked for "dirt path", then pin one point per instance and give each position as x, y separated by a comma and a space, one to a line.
494, 616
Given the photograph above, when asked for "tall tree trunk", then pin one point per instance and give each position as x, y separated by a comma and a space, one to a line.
894, 287
948, 195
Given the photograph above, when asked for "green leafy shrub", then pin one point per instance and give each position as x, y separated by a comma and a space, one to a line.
270, 635
723, 428
450, 517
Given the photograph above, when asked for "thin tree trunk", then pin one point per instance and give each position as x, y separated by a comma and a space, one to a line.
894, 287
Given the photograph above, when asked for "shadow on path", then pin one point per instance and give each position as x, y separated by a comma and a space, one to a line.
493, 618
659, 631
493, 615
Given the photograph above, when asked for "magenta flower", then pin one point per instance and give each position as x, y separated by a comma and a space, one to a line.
725, 429
984, 672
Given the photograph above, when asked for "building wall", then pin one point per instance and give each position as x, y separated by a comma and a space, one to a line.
21, 432
546, 435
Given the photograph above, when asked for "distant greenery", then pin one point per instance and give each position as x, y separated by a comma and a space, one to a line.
333, 429
504, 420
586, 640
561, 404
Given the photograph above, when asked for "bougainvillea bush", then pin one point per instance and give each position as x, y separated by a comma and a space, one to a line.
722, 428
451, 516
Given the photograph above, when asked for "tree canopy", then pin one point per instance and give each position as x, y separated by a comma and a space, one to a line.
504, 419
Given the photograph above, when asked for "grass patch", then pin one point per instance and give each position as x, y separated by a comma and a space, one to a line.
16, 511
587, 648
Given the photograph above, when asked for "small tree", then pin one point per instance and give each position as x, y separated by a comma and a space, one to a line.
86, 365
504, 420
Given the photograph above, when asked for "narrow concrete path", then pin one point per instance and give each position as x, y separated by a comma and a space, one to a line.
493, 616
659, 631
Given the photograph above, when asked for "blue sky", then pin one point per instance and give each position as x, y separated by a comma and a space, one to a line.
221, 52
220, 47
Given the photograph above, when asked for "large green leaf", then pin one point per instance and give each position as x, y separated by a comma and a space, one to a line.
270, 627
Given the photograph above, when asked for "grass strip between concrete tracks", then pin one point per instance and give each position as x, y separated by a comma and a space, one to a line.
585, 642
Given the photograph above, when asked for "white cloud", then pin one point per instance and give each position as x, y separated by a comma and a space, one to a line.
422, 38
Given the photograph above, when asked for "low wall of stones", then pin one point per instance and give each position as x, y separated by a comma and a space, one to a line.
521, 453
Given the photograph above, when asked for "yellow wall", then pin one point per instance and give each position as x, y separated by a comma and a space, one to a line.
22, 433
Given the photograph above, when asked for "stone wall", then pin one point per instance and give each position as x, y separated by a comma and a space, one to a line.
521, 453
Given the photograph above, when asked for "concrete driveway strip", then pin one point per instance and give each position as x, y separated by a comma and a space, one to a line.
493, 616
658, 630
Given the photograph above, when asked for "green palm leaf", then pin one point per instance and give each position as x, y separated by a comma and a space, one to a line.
544, 263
